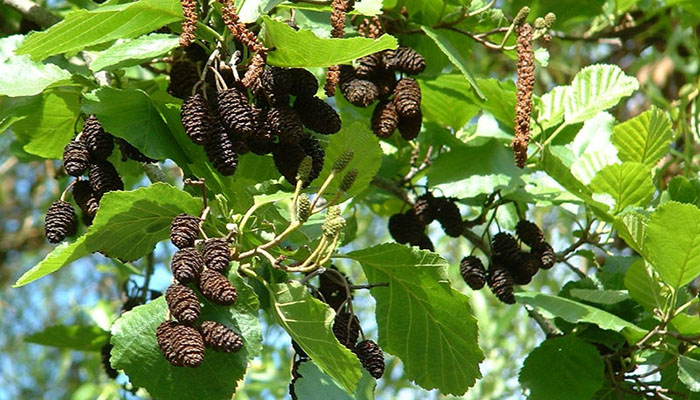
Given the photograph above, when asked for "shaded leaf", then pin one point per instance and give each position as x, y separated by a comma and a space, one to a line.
600, 296
689, 372
75, 337
644, 287
134, 52
314, 384
20, 76
417, 312
62, 255
565, 368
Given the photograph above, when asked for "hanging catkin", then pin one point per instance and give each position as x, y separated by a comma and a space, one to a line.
523, 100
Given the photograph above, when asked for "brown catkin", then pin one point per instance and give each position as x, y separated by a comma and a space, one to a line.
217, 254
187, 265
526, 267
404, 59
235, 111
189, 24
60, 221
238, 29
524, 88
407, 97
255, 69
85, 199
104, 178
219, 149
409, 127
98, 142
385, 119
184, 230
304, 83
220, 337
285, 123
182, 303
183, 76
317, 115
501, 284
371, 357
346, 328
196, 118
76, 158
181, 345
332, 79
216, 288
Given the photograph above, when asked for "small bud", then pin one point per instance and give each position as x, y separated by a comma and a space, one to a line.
549, 20
343, 161
303, 208
304, 169
333, 227
539, 23
348, 180
332, 212
521, 16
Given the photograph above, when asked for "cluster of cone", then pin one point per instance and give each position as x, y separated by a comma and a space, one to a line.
409, 227
335, 290
510, 265
183, 341
375, 79
87, 153
271, 117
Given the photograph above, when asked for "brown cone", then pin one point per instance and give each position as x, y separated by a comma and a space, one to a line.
220, 337
183, 303
181, 345
217, 289
384, 119
187, 265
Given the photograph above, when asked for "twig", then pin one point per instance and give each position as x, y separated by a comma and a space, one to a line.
391, 187
546, 326
33, 12
369, 285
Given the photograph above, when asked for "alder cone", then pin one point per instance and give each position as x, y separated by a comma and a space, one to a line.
260, 142
405, 59
369, 66
184, 230
76, 158
545, 253
217, 254
196, 118
359, 92
183, 76
217, 289
235, 111
385, 81
220, 337
104, 178
346, 328
275, 84
529, 233
473, 272
424, 209
106, 353
425, 243
371, 357
304, 83
181, 345
501, 284
317, 115
332, 289
526, 267
187, 265
85, 199
98, 142
288, 157
284, 122
132, 153
60, 221
385, 119
183, 303
407, 97
219, 149
409, 127
449, 217
505, 249
312, 148
405, 228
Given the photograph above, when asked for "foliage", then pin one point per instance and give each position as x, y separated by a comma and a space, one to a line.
611, 178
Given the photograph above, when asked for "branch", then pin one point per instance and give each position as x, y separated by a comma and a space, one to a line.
547, 327
33, 12
391, 187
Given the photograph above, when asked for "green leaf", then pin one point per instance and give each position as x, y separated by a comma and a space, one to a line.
75, 337
550, 107
442, 95
314, 384
600, 296
596, 88
684, 190
628, 183
131, 114
632, 228
455, 56
575, 312
308, 322
673, 242
367, 156
304, 49
501, 99
133, 52
417, 317
83, 28
480, 168
130, 223
136, 350
565, 368
62, 255
20, 76
48, 127
644, 138
689, 372
643, 286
